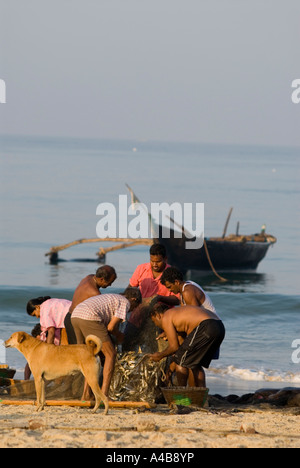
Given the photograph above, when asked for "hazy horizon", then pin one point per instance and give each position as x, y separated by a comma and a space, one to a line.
217, 72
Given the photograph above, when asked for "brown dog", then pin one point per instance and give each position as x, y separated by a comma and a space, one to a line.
48, 361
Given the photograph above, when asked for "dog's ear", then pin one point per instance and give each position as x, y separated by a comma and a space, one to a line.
21, 337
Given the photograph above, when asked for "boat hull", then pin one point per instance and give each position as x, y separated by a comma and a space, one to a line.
225, 255
6, 372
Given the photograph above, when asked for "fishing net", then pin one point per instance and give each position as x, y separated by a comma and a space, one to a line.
136, 378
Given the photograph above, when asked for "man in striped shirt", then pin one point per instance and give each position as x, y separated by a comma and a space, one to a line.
101, 316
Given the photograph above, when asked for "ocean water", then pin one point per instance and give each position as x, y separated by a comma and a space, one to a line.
50, 189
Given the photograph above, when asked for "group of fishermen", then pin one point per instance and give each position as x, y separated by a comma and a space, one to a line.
181, 309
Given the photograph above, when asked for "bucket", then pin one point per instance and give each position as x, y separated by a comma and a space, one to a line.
186, 396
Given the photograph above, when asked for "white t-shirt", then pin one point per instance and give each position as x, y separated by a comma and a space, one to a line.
208, 304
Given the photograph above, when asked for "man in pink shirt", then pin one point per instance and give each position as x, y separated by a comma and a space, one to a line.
147, 278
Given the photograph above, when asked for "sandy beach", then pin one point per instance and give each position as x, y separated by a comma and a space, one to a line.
248, 426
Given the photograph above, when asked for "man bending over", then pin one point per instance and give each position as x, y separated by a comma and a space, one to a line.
204, 332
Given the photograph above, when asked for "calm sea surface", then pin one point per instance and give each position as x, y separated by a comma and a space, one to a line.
49, 192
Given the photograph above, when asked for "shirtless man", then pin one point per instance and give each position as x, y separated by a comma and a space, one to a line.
89, 287
204, 332
190, 294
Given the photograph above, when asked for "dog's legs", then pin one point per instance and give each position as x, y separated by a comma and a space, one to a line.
43, 393
40, 392
92, 380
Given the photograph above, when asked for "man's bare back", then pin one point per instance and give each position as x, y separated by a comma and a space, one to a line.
87, 288
178, 321
186, 318
91, 284
199, 346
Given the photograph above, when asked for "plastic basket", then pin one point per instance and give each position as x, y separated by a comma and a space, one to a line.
185, 396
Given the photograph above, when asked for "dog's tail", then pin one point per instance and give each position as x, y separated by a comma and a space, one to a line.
94, 344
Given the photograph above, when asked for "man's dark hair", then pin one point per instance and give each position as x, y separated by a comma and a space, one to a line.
133, 293
106, 272
158, 249
171, 274
159, 308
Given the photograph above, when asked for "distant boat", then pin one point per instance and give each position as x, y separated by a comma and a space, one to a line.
231, 253
235, 252
227, 253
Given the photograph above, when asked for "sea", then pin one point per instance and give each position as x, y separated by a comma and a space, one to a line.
50, 189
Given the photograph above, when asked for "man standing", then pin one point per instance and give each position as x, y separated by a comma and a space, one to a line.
101, 316
204, 333
147, 278
89, 287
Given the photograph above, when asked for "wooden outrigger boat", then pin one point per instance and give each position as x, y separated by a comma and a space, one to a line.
232, 253
135, 383
22, 392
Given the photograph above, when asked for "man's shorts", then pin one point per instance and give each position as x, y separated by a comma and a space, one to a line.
201, 345
84, 328
69, 329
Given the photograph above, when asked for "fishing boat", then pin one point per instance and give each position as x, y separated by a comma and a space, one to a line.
6, 372
229, 253
135, 383
232, 253
235, 252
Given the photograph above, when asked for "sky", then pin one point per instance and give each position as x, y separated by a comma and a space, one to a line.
215, 71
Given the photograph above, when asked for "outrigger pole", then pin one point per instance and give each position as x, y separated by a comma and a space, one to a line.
125, 242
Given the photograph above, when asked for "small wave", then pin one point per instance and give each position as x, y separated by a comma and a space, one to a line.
256, 375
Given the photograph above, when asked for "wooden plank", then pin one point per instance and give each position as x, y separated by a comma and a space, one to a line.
82, 404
